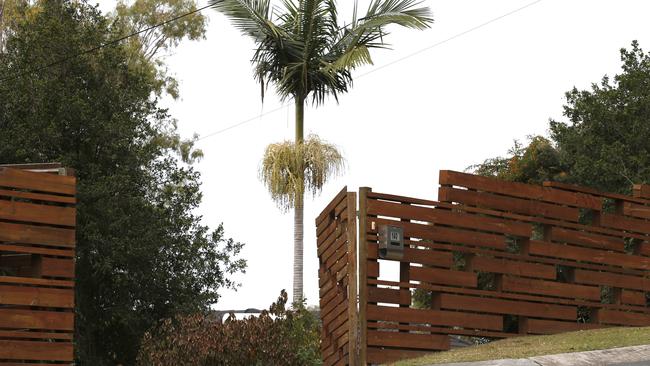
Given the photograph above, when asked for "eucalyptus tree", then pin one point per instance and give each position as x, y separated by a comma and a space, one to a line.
307, 54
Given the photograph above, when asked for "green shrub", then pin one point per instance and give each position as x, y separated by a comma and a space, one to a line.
276, 337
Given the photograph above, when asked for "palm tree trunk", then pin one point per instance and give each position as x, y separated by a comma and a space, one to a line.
298, 213
297, 252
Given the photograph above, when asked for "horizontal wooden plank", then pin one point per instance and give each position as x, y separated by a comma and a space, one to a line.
591, 191
504, 203
501, 295
37, 250
586, 239
539, 326
442, 234
33, 319
428, 257
549, 249
30, 334
643, 248
36, 281
633, 297
332, 299
333, 327
337, 216
15, 178
334, 358
55, 267
641, 191
37, 213
402, 199
611, 279
332, 315
541, 220
550, 288
519, 268
636, 210
37, 196
36, 296
329, 234
521, 190
390, 296
333, 296
435, 317
17, 264
529, 258
39, 364
445, 217
330, 206
421, 256
36, 351
377, 355
625, 223
499, 306
32, 234
438, 330
443, 276
408, 340
335, 252
623, 318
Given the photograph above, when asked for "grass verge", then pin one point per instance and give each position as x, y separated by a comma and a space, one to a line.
521, 347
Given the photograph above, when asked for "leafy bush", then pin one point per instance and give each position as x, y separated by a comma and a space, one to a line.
276, 337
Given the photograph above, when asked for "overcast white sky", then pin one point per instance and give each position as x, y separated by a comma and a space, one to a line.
445, 108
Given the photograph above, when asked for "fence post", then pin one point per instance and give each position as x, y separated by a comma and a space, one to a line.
363, 274
353, 323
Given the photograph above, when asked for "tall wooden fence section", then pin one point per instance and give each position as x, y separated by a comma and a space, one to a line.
499, 259
336, 228
37, 241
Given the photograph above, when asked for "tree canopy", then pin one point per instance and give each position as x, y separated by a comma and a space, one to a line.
142, 253
605, 141
303, 49
148, 50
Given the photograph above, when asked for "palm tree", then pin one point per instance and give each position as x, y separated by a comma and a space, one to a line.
305, 52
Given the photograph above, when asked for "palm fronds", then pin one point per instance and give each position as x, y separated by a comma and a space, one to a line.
304, 51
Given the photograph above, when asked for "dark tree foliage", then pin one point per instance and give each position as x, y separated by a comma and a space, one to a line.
605, 144
142, 255
534, 163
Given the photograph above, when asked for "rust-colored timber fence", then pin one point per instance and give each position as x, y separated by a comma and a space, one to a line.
37, 244
490, 259
336, 228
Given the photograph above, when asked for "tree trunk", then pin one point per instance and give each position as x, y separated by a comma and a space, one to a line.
298, 213
297, 252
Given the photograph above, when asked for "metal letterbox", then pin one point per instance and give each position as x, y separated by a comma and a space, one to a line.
391, 242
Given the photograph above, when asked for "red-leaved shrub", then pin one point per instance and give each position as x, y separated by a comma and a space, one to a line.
276, 337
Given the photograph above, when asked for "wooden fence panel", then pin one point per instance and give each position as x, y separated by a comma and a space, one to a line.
37, 244
500, 259
336, 230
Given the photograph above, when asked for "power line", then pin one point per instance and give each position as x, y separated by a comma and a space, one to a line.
242, 122
450, 38
383, 66
96, 48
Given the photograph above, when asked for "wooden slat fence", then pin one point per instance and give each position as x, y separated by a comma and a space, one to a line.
499, 259
37, 244
336, 228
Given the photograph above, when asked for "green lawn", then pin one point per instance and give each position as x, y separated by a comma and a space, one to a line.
520, 347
